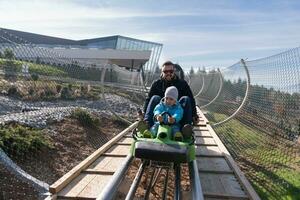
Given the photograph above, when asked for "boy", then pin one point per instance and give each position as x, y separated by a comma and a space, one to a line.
168, 104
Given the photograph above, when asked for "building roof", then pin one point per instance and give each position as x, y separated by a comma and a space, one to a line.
49, 40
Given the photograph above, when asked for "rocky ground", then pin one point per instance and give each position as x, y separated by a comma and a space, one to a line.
37, 114
72, 143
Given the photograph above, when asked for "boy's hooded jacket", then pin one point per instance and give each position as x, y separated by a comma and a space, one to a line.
176, 111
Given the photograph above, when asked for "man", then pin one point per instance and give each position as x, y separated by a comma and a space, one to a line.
186, 99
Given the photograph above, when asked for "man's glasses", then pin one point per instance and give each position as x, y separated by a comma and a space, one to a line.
168, 71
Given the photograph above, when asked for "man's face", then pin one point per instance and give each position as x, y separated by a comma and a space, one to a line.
168, 72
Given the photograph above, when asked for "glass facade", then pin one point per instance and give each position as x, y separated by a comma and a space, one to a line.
110, 42
140, 45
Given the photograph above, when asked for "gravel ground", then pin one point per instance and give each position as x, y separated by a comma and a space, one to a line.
38, 114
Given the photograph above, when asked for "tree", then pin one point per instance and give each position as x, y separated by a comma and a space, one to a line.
9, 54
192, 72
157, 70
1, 54
199, 71
38, 60
10, 68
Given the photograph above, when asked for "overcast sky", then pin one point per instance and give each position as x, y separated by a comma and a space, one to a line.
194, 33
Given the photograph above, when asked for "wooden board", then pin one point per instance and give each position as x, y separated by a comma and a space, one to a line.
208, 151
119, 149
200, 128
126, 140
202, 133
107, 163
213, 164
222, 184
205, 141
95, 187
73, 189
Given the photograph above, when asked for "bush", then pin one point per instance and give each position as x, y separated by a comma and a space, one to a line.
31, 91
65, 93
70, 86
19, 140
34, 77
11, 68
49, 92
13, 91
85, 118
58, 88
84, 89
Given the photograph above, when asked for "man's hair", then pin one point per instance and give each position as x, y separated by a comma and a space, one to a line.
167, 63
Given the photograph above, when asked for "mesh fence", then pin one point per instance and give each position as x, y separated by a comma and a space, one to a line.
264, 111
55, 111
52, 108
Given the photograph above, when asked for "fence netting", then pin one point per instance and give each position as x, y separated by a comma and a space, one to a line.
55, 111
259, 126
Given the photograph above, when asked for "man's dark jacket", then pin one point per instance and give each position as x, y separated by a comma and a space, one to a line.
159, 87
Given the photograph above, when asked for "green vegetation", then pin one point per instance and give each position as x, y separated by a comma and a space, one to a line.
19, 140
85, 118
268, 160
34, 68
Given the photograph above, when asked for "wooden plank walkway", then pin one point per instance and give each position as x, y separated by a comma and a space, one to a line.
220, 177
88, 179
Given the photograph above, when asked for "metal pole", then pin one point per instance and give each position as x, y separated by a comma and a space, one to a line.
244, 100
110, 190
156, 176
136, 181
164, 195
219, 92
104, 98
195, 181
177, 195
202, 87
150, 185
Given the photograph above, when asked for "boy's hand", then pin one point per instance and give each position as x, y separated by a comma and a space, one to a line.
171, 120
159, 118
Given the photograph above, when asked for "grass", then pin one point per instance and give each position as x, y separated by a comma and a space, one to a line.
34, 68
268, 161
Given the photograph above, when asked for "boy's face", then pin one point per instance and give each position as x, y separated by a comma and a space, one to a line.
169, 101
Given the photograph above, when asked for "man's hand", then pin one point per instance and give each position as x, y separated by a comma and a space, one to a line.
140, 115
159, 118
195, 120
171, 120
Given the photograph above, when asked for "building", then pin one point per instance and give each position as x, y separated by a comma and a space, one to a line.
119, 50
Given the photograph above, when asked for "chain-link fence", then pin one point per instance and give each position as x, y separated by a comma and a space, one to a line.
51, 105
257, 116
55, 111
